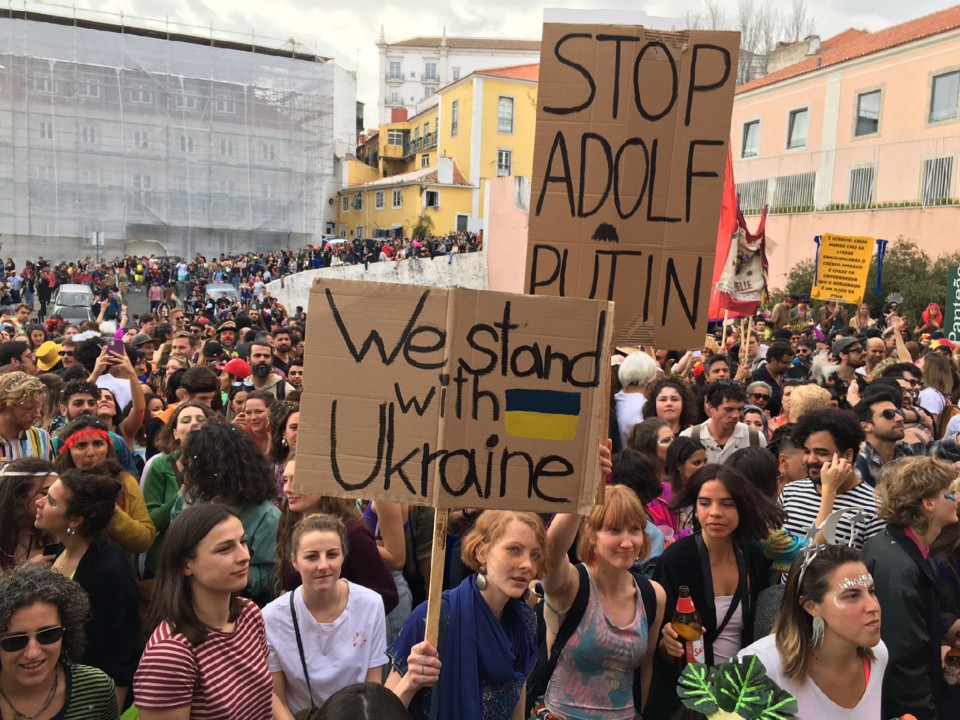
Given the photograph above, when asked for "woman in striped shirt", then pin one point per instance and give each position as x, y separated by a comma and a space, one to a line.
207, 658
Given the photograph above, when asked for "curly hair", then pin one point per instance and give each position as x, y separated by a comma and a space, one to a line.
687, 401
28, 584
93, 497
758, 513
18, 387
843, 426
64, 459
904, 484
222, 463
18, 481
279, 415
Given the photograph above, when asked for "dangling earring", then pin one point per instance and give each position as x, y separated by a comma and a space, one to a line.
71, 531
816, 634
482, 578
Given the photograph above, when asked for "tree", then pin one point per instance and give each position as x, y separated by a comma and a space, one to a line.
423, 229
798, 24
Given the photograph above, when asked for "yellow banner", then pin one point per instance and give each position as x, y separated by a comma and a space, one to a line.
842, 267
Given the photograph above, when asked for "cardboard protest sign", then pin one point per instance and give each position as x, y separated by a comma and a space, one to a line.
843, 262
951, 313
632, 133
453, 398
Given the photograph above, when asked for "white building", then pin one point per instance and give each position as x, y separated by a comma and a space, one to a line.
165, 142
412, 70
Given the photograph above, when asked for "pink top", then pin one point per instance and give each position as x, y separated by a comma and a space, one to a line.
924, 550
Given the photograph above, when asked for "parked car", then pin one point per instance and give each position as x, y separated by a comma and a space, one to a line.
74, 303
221, 290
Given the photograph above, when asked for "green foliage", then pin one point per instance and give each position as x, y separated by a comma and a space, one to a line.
696, 690
740, 686
907, 270
424, 228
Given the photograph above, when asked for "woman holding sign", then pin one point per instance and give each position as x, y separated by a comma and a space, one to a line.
488, 634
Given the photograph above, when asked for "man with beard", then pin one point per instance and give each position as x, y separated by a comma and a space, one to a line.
830, 440
261, 366
227, 335
281, 349
882, 419
848, 351
295, 374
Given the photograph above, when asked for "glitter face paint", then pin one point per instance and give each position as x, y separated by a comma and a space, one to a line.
863, 580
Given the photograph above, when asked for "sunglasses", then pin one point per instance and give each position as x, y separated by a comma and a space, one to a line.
890, 413
245, 383
67, 353
16, 643
759, 396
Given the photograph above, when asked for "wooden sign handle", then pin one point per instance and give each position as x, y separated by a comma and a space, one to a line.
438, 556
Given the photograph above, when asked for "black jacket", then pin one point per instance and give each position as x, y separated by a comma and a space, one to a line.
910, 624
113, 628
680, 565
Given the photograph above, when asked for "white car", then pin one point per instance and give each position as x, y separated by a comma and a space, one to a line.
74, 303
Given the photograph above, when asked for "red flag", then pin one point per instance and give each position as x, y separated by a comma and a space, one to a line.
726, 235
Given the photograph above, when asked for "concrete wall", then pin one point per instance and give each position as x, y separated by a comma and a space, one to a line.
458, 271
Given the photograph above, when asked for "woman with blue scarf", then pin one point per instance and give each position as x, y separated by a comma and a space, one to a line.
487, 643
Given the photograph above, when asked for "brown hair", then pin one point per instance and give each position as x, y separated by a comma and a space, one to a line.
319, 522
491, 526
621, 509
904, 484
166, 442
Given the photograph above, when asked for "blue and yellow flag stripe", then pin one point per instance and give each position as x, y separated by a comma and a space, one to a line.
542, 414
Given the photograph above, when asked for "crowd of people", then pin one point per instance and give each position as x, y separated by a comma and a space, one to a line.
794, 477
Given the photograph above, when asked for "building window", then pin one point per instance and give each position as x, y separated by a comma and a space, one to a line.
187, 102
795, 192
504, 162
395, 72
456, 74
45, 84
221, 105
394, 99
269, 151
430, 74
88, 89
937, 179
141, 139
88, 134
751, 139
227, 148
455, 117
345, 203
944, 96
397, 199
378, 200
46, 130
395, 137
427, 92
142, 186
432, 199
797, 129
868, 113
424, 161
186, 143
752, 195
358, 201
505, 115
861, 185
140, 96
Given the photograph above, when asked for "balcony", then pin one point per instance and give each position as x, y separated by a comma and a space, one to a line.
418, 144
881, 176
430, 78
394, 77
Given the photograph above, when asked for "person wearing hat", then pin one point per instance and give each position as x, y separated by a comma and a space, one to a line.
848, 351
780, 316
212, 353
145, 344
227, 334
48, 357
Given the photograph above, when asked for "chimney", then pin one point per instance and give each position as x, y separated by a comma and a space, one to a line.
398, 114
813, 44
445, 170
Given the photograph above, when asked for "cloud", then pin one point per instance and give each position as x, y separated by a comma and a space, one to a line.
349, 32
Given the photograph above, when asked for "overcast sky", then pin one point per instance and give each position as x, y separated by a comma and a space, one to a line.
348, 30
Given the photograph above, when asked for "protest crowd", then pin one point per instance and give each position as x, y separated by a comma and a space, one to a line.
794, 477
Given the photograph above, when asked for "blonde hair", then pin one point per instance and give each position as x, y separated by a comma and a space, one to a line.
904, 484
17, 387
621, 509
805, 399
491, 526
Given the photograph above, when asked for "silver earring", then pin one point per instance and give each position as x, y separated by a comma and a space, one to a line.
482, 578
816, 634
71, 531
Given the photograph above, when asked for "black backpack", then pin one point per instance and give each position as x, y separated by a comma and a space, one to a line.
539, 677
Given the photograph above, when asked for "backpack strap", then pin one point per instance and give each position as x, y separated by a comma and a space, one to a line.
572, 621
648, 596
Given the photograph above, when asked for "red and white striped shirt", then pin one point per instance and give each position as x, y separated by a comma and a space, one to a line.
226, 676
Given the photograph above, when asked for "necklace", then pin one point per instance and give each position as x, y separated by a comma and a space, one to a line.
17, 715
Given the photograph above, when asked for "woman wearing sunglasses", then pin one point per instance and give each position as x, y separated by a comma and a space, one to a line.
164, 475
916, 499
41, 644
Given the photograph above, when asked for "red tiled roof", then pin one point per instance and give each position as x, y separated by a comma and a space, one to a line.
458, 178
529, 72
462, 43
840, 49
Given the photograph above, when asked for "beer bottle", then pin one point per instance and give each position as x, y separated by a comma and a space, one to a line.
951, 663
686, 623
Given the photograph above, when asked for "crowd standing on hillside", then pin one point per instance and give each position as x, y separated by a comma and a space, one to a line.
795, 478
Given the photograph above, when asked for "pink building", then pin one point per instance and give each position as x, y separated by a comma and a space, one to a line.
860, 137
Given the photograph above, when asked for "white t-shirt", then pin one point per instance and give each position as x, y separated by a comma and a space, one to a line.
812, 704
932, 401
629, 412
338, 653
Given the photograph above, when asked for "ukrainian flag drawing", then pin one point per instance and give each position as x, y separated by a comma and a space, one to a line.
542, 414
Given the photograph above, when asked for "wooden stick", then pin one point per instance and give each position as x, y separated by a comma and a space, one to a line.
723, 338
438, 557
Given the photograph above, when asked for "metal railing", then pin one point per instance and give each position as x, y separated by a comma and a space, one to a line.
420, 143
874, 176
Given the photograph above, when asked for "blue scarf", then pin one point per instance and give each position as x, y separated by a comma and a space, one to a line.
480, 646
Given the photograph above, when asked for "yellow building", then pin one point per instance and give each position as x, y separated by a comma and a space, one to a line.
483, 125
